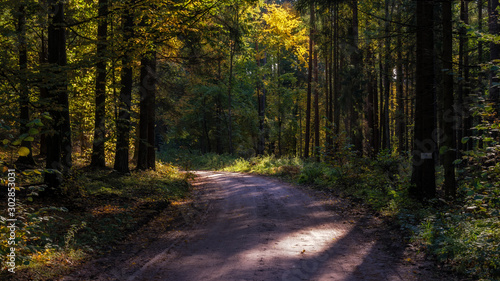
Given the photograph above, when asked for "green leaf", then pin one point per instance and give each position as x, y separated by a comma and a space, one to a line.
30, 138
30, 199
465, 139
5, 141
23, 151
31, 123
443, 149
38, 122
457, 161
47, 116
33, 131
16, 142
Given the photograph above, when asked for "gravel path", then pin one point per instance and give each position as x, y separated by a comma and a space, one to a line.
246, 227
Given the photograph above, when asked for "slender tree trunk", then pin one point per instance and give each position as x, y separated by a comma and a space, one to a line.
329, 83
125, 99
371, 106
494, 29
376, 114
229, 97
423, 173
448, 139
336, 68
356, 61
58, 151
309, 82
464, 77
381, 103
98, 159
261, 106
400, 113
387, 77
24, 114
280, 109
316, 107
147, 88
152, 111
43, 59
218, 115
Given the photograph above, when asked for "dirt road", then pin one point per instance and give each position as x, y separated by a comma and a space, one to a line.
248, 227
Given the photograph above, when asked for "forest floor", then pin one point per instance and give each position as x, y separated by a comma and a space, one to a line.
246, 227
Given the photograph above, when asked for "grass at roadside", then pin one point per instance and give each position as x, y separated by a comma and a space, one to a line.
463, 234
96, 209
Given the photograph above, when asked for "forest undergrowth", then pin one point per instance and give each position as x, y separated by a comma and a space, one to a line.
462, 234
95, 210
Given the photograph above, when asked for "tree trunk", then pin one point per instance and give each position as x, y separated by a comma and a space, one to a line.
125, 99
229, 97
494, 29
423, 173
59, 140
400, 112
387, 78
336, 76
356, 61
152, 112
464, 84
371, 105
98, 159
260, 105
309, 82
448, 138
43, 59
24, 114
316, 107
147, 87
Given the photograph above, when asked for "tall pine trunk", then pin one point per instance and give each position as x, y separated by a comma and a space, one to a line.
494, 29
147, 88
309, 82
316, 107
98, 159
261, 106
423, 173
125, 99
448, 138
152, 112
24, 114
59, 138
400, 112
229, 96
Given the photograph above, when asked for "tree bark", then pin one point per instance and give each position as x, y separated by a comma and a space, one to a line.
309, 81
59, 139
229, 97
98, 159
24, 114
448, 139
494, 29
423, 172
125, 99
260, 105
146, 153
464, 85
400, 112
316, 107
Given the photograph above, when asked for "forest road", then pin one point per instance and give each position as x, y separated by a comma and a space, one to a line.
257, 228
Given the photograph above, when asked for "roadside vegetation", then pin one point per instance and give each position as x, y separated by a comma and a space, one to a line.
94, 211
